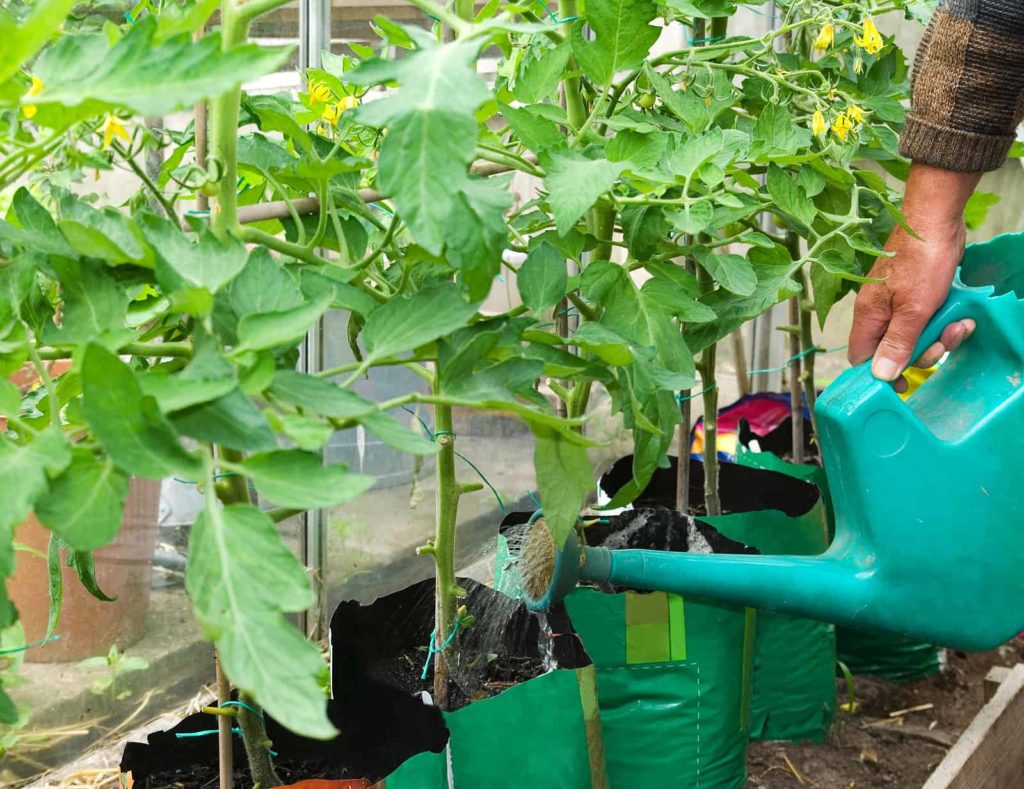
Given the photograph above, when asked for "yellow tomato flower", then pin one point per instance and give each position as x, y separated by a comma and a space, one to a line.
818, 125
832, 95
826, 37
842, 126
858, 65
332, 112
871, 42
855, 113
112, 127
35, 89
318, 91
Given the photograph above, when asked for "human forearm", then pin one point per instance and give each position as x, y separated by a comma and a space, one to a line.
934, 198
967, 88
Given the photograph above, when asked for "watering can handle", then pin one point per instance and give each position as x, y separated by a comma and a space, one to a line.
961, 303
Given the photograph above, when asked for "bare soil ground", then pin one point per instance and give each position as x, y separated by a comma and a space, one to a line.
869, 748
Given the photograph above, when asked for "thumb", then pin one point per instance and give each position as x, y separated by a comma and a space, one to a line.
895, 349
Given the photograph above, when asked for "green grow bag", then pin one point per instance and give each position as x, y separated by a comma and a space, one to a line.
673, 687
886, 656
787, 704
533, 727
543, 733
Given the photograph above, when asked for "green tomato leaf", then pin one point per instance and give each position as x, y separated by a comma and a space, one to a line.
777, 134
603, 343
542, 279
732, 272
406, 323
836, 264
84, 504
476, 233
19, 42
263, 286
432, 130
623, 36
127, 423
564, 478
10, 398
540, 75
695, 152
273, 329
534, 131
692, 219
789, 196
396, 435
242, 579
84, 565
311, 393
232, 421
574, 183
95, 306
106, 234
84, 75
207, 263
976, 210
291, 478
24, 475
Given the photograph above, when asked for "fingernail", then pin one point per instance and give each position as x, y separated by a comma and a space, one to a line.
969, 327
885, 369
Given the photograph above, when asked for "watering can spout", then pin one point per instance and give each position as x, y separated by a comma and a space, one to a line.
823, 587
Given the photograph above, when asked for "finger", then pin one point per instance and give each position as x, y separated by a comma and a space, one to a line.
894, 351
901, 385
870, 319
930, 356
954, 334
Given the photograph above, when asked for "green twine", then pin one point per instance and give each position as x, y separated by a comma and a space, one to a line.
184, 735
433, 437
215, 476
433, 650
680, 398
554, 17
815, 349
40, 643
696, 42
243, 705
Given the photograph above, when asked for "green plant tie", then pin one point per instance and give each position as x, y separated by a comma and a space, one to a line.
681, 398
40, 643
433, 437
433, 650
185, 735
554, 17
243, 705
815, 349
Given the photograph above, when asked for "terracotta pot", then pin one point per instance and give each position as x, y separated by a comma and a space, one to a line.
124, 570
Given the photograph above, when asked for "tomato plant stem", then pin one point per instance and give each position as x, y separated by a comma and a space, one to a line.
446, 589
254, 732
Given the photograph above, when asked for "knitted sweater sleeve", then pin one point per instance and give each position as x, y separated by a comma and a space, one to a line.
968, 86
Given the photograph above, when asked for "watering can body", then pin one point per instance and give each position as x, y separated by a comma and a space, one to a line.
928, 491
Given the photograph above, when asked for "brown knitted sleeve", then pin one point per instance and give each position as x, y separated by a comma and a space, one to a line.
968, 84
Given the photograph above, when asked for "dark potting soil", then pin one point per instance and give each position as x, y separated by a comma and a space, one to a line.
741, 488
378, 652
386, 642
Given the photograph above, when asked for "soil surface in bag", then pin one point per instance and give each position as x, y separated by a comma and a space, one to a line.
379, 706
742, 488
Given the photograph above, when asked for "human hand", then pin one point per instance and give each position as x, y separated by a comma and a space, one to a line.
890, 315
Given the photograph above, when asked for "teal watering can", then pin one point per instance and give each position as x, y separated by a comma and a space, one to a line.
928, 493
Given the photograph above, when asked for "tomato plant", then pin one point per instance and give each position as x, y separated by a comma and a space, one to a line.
382, 190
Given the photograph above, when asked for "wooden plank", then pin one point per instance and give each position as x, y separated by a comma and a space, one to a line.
990, 754
996, 676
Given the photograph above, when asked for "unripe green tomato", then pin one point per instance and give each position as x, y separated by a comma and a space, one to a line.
646, 100
210, 188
